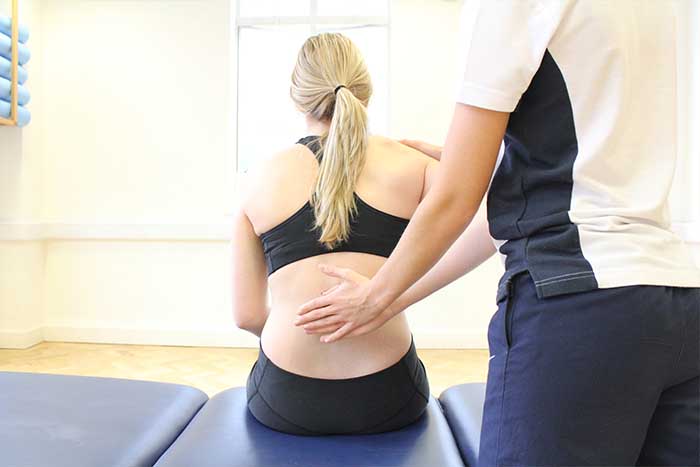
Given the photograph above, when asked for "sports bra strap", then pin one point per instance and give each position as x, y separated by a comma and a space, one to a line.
314, 144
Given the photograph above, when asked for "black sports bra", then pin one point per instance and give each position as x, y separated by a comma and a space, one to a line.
371, 231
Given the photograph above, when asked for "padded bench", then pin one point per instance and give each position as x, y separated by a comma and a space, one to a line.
78, 421
225, 434
463, 407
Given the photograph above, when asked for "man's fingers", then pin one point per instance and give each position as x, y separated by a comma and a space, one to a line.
323, 323
331, 290
318, 302
324, 330
364, 329
334, 271
428, 149
370, 326
415, 144
339, 334
314, 315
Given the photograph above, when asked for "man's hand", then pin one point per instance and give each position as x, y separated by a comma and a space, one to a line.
428, 149
342, 310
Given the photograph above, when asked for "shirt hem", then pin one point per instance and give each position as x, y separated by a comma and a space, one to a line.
587, 281
487, 98
683, 278
611, 278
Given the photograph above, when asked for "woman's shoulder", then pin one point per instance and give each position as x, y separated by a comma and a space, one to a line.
278, 176
284, 165
397, 168
390, 148
391, 157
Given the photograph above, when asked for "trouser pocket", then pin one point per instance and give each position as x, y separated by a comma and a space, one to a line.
508, 323
500, 331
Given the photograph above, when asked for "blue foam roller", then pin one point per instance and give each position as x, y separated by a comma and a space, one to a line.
6, 71
6, 28
23, 115
6, 50
23, 96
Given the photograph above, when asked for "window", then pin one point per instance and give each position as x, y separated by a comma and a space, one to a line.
269, 35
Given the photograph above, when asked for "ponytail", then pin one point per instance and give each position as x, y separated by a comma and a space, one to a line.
344, 151
330, 82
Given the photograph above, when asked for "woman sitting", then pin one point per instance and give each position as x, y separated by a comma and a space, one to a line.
338, 197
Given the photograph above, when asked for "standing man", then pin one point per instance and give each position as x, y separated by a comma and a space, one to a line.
594, 347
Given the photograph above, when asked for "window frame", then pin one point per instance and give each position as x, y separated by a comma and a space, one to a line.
314, 21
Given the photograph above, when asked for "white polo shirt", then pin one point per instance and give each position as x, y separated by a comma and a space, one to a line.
580, 196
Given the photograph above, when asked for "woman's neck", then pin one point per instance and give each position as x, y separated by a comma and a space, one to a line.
316, 127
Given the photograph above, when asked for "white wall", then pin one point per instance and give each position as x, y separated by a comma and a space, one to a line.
137, 93
130, 183
136, 174
141, 150
21, 293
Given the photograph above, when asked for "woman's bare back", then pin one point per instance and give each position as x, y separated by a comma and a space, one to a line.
393, 180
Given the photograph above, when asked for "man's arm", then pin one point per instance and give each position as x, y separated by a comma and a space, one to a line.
463, 175
470, 250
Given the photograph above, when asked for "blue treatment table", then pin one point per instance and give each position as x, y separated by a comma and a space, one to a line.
225, 434
463, 407
77, 421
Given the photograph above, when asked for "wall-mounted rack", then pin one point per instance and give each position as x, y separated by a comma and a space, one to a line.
12, 121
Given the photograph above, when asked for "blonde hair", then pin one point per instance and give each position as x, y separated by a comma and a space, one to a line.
330, 82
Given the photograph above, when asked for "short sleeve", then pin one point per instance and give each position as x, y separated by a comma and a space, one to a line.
502, 45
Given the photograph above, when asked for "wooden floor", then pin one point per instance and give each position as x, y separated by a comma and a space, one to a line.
212, 369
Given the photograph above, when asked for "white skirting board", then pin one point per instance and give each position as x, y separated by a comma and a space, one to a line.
435, 339
21, 339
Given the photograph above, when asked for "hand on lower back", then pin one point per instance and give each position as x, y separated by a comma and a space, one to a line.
341, 311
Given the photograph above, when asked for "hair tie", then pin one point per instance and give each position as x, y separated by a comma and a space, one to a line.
338, 87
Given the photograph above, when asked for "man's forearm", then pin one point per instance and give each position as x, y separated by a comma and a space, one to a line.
420, 248
470, 250
463, 176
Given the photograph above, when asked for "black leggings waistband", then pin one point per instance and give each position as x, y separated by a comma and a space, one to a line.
383, 401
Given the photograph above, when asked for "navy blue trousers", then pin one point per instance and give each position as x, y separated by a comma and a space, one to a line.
606, 377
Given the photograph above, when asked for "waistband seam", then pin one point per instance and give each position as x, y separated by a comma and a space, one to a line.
259, 394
